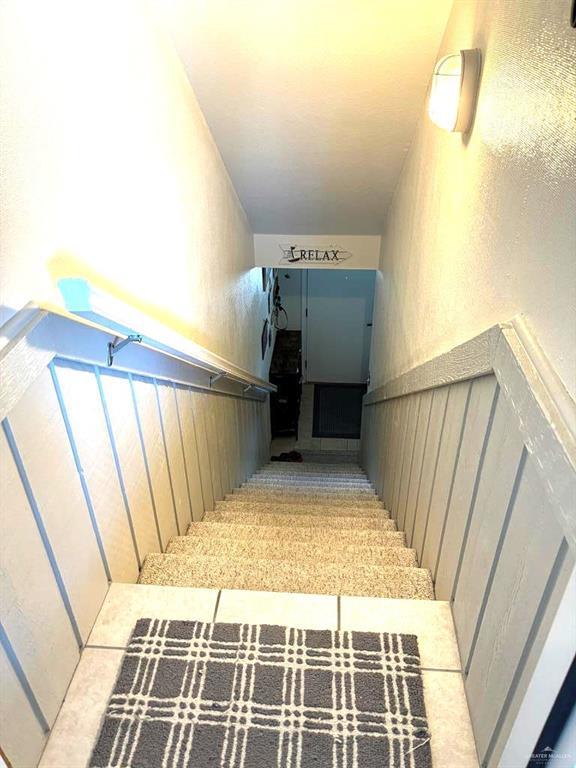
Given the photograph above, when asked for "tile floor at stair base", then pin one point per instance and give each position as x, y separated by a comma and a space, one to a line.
78, 722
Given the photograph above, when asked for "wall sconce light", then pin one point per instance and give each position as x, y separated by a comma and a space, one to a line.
454, 90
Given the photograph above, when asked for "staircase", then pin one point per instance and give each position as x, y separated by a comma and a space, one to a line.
313, 527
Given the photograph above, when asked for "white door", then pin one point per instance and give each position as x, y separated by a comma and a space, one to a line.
338, 325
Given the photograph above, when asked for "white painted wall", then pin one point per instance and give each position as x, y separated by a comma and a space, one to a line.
337, 333
482, 227
110, 172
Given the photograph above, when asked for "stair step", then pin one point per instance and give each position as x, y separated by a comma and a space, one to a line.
331, 500
326, 487
336, 469
340, 458
319, 536
299, 482
309, 478
280, 576
277, 507
300, 470
348, 554
306, 521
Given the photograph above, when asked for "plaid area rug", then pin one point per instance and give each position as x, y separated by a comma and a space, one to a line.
198, 695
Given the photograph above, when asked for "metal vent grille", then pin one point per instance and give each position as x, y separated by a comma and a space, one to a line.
338, 410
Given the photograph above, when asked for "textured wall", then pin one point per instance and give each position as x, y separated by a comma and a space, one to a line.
483, 226
109, 171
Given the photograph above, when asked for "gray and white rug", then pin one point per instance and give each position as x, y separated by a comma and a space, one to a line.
198, 695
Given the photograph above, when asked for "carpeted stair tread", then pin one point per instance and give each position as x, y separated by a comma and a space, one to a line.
277, 507
341, 458
280, 576
313, 480
311, 521
280, 466
294, 490
305, 471
325, 490
320, 536
330, 500
298, 482
345, 554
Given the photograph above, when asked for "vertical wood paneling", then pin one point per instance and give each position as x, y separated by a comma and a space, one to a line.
82, 398
489, 522
400, 432
203, 452
21, 736
523, 580
125, 427
253, 440
51, 471
224, 439
429, 467
453, 425
545, 663
147, 405
417, 459
237, 406
207, 408
32, 611
242, 443
263, 434
392, 438
483, 397
373, 415
184, 402
173, 442
379, 452
408, 453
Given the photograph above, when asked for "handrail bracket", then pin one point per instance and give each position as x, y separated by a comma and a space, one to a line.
115, 346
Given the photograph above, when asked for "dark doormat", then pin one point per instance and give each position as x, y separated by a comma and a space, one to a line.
338, 410
197, 695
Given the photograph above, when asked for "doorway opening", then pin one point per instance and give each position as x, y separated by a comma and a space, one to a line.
329, 319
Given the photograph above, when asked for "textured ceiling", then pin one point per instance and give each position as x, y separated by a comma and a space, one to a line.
313, 104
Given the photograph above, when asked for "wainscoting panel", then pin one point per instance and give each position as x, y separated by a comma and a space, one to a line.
174, 454
35, 612
414, 483
498, 484
55, 484
455, 417
126, 434
483, 396
154, 448
474, 458
23, 737
191, 453
429, 467
204, 461
524, 577
83, 405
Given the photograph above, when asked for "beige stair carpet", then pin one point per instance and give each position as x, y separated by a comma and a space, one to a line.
287, 576
348, 500
346, 554
297, 509
306, 528
323, 536
306, 521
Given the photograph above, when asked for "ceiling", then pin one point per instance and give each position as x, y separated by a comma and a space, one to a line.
312, 103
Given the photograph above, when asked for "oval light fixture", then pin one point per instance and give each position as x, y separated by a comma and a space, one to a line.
454, 88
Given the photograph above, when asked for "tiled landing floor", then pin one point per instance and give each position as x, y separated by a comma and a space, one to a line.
77, 725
